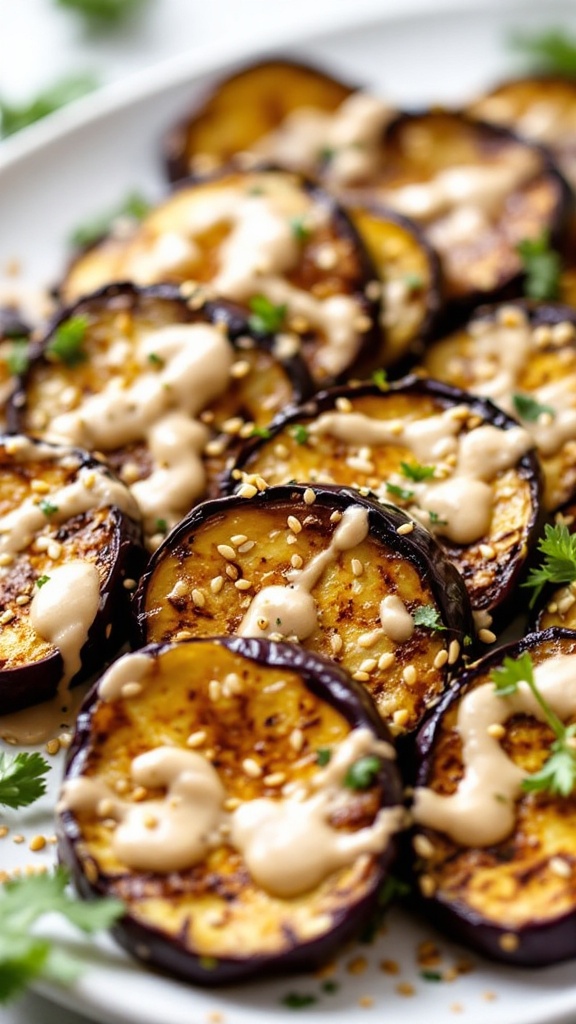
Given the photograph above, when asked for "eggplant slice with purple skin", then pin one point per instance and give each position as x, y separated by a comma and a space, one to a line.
347, 577
458, 464
166, 387
476, 190
500, 879
281, 756
246, 111
267, 239
69, 541
523, 357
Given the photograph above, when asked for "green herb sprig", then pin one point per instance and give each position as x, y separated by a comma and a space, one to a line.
551, 51
265, 317
417, 472
134, 207
529, 409
559, 564
22, 779
13, 117
66, 344
103, 15
558, 773
426, 615
542, 267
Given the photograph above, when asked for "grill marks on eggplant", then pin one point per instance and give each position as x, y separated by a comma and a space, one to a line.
247, 235
301, 448
192, 589
513, 900
216, 909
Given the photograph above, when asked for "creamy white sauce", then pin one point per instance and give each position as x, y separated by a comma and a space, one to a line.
396, 620
463, 500
288, 844
482, 810
291, 610
64, 608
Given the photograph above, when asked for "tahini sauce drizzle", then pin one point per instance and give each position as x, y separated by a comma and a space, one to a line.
463, 501
291, 609
482, 811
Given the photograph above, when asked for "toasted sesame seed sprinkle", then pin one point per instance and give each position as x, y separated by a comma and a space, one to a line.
182, 634
23, 599
357, 966
361, 677
196, 739
509, 942
247, 546
131, 689
427, 885
198, 598
389, 966
216, 584
243, 584
496, 730
251, 768
275, 779
453, 652
409, 675
238, 539
422, 846
65, 739
7, 617
214, 690
4, 830
405, 529
215, 447
231, 572
18, 839
296, 740
386, 660
559, 866
367, 640
6, 559
440, 659
226, 551
487, 636
404, 988
239, 369
309, 496
487, 551
54, 550
357, 567
296, 561
294, 524
368, 665
336, 517
129, 584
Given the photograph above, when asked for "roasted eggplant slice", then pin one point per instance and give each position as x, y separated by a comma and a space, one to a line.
68, 540
272, 751
345, 576
267, 239
494, 842
165, 387
456, 463
476, 190
541, 108
277, 108
524, 359
409, 272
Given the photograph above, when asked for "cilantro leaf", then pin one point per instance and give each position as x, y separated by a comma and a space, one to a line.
18, 359
103, 14
47, 508
323, 756
265, 318
512, 672
552, 50
300, 433
298, 1000
399, 492
380, 379
529, 409
262, 432
557, 774
66, 343
41, 581
559, 565
22, 779
14, 118
435, 519
542, 267
426, 615
363, 772
25, 956
134, 207
415, 471
300, 229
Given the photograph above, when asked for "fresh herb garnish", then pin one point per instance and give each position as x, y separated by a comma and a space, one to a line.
431, 975
558, 773
156, 360
18, 359
299, 229
262, 432
414, 281
25, 956
327, 153
392, 888
298, 1000
435, 519
161, 526
415, 471
41, 581
529, 409
542, 267
21, 779
362, 773
426, 615
103, 14
265, 318
300, 433
134, 207
380, 379
559, 565
323, 755
14, 118
330, 987
66, 344
47, 508
399, 492
551, 51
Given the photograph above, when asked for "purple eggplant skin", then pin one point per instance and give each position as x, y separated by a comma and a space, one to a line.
501, 598
149, 944
542, 941
418, 547
36, 682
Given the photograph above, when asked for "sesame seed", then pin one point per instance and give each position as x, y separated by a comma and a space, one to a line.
52, 747
405, 529
23, 599
226, 551
238, 539
247, 491
39, 486
336, 517
179, 589
496, 730
357, 966
427, 885
198, 598
336, 643
487, 636
243, 584
240, 369
560, 867
389, 966
296, 740
562, 333
291, 538
487, 551
509, 942
361, 677
309, 496
131, 689
453, 652
215, 447
400, 717
4, 830
404, 988
18, 839
422, 846
409, 675
129, 584
326, 257
357, 567
196, 739
246, 546
296, 561
37, 843
7, 617
251, 768
234, 682
6, 559
386, 660
182, 634
275, 779
294, 524
231, 803
440, 659
262, 623
232, 572
368, 665
216, 584
233, 425
367, 640
65, 739
214, 689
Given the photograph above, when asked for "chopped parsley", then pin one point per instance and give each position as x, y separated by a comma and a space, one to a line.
134, 207
529, 409
299, 229
262, 432
22, 779
426, 615
18, 359
552, 50
66, 344
558, 546
399, 492
300, 433
25, 956
323, 756
414, 281
47, 508
42, 581
298, 1000
380, 379
265, 317
415, 471
14, 118
156, 360
431, 976
327, 153
330, 987
391, 889
542, 267
558, 773
435, 519
363, 773
103, 14
161, 526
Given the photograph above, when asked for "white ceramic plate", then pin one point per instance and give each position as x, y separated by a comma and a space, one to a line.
83, 162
